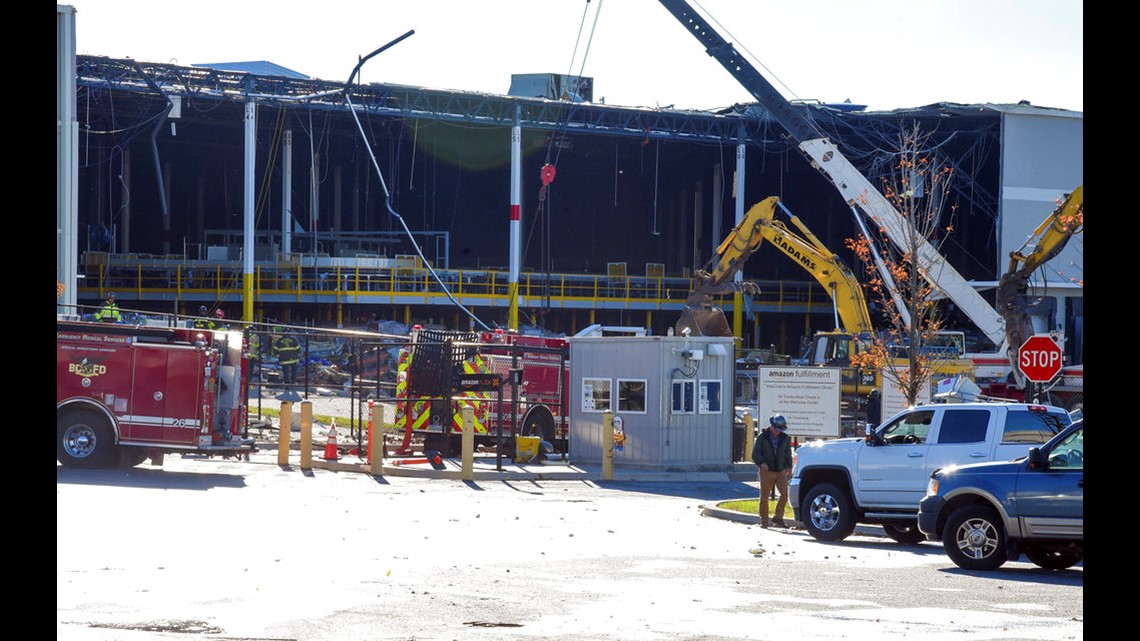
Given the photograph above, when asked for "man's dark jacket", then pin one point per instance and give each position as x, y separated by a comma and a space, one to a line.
778, 458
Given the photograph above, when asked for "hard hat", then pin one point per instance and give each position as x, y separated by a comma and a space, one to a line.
110, 294
778, 420
202, 309
220, 314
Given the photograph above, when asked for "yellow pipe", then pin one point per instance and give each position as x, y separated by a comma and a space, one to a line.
468, 448
306, 435
737, 314
283, 433
608, 446
376, 438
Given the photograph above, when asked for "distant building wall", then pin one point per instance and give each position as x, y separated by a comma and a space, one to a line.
1042, 160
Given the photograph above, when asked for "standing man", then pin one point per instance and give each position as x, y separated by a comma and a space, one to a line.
109, 312
772, 453
288, 351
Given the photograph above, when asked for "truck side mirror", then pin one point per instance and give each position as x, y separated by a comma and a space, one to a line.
1036, 459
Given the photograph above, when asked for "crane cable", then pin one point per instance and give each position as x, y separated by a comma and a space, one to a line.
384, 187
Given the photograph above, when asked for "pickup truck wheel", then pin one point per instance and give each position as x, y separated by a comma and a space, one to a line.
83, 439
1056, 560
974, 538
905, 533
830, 514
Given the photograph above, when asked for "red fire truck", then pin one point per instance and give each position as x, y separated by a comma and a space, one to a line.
125, 393
442, 372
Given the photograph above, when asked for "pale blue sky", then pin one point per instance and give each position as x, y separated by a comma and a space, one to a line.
886, 54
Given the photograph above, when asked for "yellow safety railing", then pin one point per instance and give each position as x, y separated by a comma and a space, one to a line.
412, 285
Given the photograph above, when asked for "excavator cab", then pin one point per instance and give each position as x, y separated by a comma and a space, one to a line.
829, 348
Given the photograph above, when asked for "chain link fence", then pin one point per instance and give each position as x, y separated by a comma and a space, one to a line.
342, 374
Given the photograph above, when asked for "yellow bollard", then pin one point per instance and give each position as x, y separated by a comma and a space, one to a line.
468, 447
283, 433
608, 446
306, 435
376, 447
749, 438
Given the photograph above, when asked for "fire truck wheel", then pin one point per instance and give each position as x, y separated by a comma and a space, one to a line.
538, 421
84, 439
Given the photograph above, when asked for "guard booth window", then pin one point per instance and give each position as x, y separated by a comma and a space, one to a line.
631, 396
683, 398
595, 394
710, 402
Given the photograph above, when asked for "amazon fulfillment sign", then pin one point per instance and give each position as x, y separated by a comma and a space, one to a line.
808, 397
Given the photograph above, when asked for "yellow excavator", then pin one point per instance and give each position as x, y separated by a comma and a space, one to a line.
702, 318
853, 328
852, 320
1048, 239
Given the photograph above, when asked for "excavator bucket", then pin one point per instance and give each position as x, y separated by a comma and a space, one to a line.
703, 322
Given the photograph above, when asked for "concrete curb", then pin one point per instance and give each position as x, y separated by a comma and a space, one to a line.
740, 517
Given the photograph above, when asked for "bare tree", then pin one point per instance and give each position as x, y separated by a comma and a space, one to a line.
909, 349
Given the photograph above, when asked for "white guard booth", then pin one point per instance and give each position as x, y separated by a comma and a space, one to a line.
672, 393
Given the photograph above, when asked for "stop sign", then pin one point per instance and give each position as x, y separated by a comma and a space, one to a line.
1039, 358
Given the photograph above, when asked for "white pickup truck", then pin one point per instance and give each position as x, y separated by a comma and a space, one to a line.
881, 477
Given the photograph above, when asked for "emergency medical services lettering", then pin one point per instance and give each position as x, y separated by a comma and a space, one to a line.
806, 261
93, 338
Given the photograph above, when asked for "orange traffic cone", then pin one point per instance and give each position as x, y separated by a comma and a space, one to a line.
331, 453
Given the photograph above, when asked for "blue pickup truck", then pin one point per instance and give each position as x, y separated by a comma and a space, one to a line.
988, 513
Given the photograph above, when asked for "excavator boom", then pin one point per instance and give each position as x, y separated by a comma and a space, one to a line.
701, 318
811, 254
1012, 297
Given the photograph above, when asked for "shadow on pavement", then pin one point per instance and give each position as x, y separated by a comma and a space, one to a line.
145, 477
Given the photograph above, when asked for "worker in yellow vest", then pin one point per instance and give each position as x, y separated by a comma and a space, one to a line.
202, 321
109, 312
253, 344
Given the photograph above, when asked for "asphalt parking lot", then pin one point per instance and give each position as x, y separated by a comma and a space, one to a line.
258, 551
